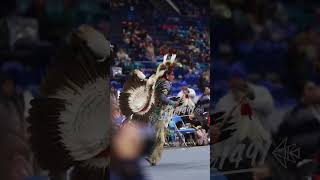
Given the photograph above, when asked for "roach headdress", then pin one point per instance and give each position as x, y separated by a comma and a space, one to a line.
167, 65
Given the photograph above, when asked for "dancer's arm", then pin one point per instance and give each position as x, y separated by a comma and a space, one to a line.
165, 100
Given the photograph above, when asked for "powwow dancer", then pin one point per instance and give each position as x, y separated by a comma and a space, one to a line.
146, 100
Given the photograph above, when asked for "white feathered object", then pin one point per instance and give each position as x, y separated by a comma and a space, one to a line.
69, 123
239, 122
140, 94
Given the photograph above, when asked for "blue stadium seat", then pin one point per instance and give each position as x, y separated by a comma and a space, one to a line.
176, 84
192, 79
146, 64
178, 71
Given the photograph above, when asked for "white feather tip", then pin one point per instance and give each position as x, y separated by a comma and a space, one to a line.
165, 58
173, 57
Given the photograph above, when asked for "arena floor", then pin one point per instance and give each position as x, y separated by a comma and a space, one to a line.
181, 164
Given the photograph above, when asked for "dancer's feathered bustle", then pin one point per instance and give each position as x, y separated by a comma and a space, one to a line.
141, 95
69, 123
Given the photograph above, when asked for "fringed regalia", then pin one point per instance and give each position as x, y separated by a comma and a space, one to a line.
145, 100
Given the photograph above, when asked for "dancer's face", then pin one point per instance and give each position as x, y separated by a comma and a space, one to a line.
170, 76
207, 91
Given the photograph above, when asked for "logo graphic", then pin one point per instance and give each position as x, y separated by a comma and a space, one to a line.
284, 153
199, 109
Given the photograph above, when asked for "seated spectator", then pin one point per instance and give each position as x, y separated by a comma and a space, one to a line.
150, 52
201, 136
122, 55
202, 108
187, 93
204, 80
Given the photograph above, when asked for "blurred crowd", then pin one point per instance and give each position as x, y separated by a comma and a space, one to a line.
186, 7
33, 31
146, 34
273, 40
142, 43
267, 53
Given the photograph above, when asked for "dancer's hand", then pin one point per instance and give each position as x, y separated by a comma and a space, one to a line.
177, 102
